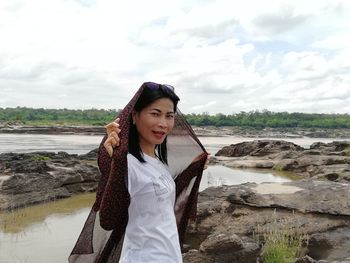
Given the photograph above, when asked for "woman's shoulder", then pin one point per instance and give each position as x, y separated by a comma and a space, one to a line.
132, 160
150, 164
134, 165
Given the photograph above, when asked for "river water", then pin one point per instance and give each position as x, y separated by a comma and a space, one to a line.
47, 232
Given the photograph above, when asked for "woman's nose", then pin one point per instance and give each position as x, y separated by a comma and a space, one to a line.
163, 123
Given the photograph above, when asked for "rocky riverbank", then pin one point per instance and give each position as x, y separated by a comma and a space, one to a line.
232, 220
325, 161
30, 178
200, 131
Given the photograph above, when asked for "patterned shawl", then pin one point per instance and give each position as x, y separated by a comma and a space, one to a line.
102, 236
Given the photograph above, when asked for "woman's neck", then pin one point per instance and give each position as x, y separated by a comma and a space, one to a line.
148, 149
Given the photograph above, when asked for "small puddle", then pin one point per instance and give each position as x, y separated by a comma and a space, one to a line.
218, 175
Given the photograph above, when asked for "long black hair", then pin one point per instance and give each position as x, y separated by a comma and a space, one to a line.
151, 92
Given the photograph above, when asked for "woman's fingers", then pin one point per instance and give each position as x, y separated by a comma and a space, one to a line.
109, 148
113, 139
113, 126
115, 136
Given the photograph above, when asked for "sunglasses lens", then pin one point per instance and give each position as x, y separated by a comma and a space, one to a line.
169, 87
152, 85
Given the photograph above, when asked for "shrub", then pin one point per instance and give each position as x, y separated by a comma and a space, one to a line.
281, 243
281, 247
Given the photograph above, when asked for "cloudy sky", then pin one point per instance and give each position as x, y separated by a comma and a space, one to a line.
221, 56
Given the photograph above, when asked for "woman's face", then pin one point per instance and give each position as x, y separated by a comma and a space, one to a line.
154, 123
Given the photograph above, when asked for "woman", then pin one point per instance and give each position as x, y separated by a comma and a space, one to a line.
158, 160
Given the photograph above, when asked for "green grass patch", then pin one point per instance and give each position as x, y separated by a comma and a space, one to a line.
281, 247
40, 158
281, 242
278, 168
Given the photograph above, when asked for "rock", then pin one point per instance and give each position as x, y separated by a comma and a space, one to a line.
257, 148
304, 196
336, 146
329, 161
29, 178
194, 256
20, 183
185, 248
90, 155
224, 248
305, 259
221, 243
318, 209
319, 245
10, 202
331, 245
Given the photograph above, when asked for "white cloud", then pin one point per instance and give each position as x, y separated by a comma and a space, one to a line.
204, 106
279, 55
339, 41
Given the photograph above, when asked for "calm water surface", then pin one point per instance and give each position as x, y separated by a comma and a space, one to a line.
46, 233
82, 143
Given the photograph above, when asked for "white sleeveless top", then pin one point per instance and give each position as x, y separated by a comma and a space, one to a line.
151, 234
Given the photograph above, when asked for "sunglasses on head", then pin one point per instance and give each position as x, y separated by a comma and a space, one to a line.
153, 86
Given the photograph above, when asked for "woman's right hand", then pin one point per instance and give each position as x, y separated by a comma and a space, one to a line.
112, 140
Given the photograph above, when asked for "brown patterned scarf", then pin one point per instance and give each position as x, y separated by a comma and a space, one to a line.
102, 236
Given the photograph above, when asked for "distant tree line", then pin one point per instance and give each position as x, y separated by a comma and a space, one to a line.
265, 118
254, 119
42, 116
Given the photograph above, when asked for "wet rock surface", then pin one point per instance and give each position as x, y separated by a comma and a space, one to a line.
329, 161
258, 148
36, 177
232, 220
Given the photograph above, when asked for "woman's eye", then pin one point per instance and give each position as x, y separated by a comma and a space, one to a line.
155, 114
170, 116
